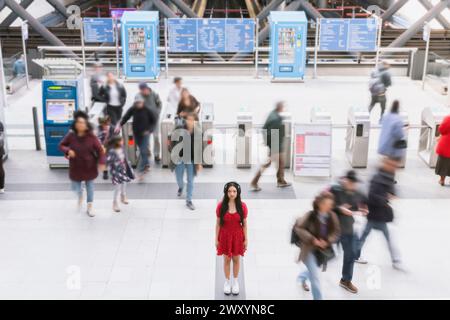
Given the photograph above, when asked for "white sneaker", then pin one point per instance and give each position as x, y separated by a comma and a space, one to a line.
2, 191
235, 287
227, 287
90, 211
361, 261
399, 266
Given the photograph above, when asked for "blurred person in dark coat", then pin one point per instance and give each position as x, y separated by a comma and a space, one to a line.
381, 192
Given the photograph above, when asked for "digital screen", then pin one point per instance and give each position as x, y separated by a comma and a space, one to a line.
60, 110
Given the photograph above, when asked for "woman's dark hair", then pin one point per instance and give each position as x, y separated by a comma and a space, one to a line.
225, 200
395, 106
81, 114
176, 79
325, 195
114, 142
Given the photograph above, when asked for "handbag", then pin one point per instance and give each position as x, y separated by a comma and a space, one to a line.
323, 256
400, 144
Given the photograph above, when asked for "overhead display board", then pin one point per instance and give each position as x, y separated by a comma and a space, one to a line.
211, 35
348, 34
312, 150
98, 30
117, 13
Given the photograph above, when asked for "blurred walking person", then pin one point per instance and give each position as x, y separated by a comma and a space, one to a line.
348, 201
115, 96
231, 234
86, 156
152, 102
144, 122
105, 132
381, 192
392, 142
380, 80
96, 83
175, 93
120, 169
315, 232
186, 154
274, 127
443, 151
188, 104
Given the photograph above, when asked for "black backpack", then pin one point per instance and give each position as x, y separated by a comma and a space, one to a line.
295, 239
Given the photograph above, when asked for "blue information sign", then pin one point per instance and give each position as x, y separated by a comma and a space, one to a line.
98, 30
211, 35
348, 34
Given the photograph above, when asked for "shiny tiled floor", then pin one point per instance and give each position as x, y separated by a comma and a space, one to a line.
156, 249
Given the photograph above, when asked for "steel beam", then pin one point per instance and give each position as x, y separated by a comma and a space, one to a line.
266, 10
184, 8
36, 25
163, 8
309, 9
13, 16
59, 7
440, 18
393, 9
411, 31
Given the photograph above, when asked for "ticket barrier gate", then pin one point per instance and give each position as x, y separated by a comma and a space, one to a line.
130, 143
167, 126
96, 112
207, 123
357, 137
244, 140
287, 141
431, 119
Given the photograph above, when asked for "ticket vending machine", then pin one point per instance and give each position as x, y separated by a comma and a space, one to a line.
140, 39
62, 95
288, 37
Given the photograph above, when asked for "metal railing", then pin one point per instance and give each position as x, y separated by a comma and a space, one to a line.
438, 73
107, 56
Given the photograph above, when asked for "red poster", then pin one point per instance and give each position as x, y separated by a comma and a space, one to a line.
300, 143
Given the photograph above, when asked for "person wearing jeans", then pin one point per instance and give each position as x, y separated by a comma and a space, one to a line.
186, 154
316, 231
180, 168
348, 201
381, 191
77, 187
144, 122
311, 273
86, 156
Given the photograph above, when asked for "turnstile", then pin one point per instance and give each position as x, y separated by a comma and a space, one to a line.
357, 138
207, 122
244, 140
130, 143
431, 119
287, 141
167, 126
96, 112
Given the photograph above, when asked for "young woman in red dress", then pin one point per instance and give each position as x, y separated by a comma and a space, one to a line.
231, 233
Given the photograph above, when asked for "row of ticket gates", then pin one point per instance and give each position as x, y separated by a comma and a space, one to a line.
358, 131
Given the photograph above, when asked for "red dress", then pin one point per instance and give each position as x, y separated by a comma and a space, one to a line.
231, 233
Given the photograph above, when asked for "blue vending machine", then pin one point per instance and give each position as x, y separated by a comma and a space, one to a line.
288, 35
140, 40
62, 95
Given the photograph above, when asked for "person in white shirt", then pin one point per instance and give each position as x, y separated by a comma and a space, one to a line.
175, 93
115, 96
